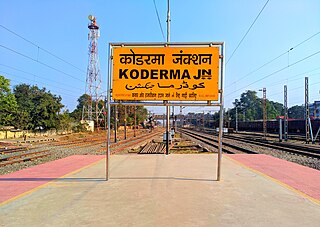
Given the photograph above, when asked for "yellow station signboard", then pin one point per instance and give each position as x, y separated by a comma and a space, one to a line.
165, 73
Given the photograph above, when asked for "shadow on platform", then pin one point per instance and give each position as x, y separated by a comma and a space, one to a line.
160, 178
53, 179
47, 179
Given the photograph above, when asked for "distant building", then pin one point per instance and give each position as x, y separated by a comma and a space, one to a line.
314, 109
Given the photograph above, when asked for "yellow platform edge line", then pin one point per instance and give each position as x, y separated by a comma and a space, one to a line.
313, 200
43, 185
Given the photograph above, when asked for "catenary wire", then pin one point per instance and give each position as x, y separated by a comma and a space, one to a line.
276, 83
275, 72
272, 60
302, 86
42, 63
15, 75
17, 81
32, 74
155, 7
247, 31
44, 50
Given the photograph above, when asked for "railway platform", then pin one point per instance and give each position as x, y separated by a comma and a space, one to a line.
158, 190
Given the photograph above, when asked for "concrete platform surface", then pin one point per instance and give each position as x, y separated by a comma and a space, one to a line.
18, 183
158, 190
298, 177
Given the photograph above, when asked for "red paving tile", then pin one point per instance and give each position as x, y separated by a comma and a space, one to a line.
301, 178
16, 183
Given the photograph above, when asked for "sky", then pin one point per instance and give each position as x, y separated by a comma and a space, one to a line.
59, 27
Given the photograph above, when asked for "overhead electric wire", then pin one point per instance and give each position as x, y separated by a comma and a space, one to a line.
247, 31
272, 60
276, 83
155, 7
301, 96
32, 74
7, 73
42, 63
277, 71
40, 83
302, 86
48, 52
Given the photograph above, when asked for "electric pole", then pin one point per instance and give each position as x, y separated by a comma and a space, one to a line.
264, 106
135, 121
285, 113
236, 117
307, 116
125, 122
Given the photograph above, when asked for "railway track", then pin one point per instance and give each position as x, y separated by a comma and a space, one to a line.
132, 141
209, 140
285, 147
292, 148
23, 154
271, 135
13, 150
22, 157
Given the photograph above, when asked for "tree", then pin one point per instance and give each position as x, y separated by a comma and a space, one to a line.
37, 107
8, 103
141, 114
23, 95
65, 121
250, 107
83, 100
296, 112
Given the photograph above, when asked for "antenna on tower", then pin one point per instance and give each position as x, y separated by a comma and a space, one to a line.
92, 113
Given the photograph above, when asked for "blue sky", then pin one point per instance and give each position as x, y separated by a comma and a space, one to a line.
60, 27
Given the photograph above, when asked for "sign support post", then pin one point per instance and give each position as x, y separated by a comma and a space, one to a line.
168, 107
221, 113
167, 74
108, 115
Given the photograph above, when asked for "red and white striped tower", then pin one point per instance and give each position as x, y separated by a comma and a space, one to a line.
95, 108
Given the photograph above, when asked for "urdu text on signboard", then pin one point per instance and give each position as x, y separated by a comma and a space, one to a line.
165, 73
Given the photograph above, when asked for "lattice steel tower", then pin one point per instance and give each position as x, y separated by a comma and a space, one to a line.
95, 108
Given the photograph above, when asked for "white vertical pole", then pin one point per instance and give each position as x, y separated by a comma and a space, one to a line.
108, 117
236, 118
168, 107
221, 113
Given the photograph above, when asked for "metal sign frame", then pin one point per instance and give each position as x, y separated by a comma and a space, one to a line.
218, 103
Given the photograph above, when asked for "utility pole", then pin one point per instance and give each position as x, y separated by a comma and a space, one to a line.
236, 118
125, 122
163, 118
181, 123
105, 114
203, 121
168, 107
285, 113
135, 121
115, 122
264, 106
306, 103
